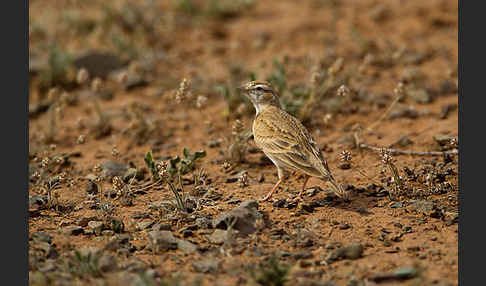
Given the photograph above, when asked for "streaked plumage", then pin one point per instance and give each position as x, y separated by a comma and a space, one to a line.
284, 139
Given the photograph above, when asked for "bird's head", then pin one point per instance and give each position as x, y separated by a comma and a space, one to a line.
261, 94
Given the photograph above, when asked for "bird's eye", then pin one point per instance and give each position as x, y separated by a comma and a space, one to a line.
259, 88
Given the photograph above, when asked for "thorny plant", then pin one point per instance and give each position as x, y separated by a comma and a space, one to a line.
292, 99
102, 126
270, 273
57, 72
58, 102
324, 84
48, 184
163, 172
238, 143
83, 265
141, 128
236, 103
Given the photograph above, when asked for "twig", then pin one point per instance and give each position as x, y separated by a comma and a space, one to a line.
385, 114
408, 152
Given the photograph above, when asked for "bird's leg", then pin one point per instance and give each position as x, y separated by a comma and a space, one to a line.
269, 194
306, 179
281, 177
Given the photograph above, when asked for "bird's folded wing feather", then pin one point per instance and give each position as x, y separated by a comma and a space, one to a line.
282, 135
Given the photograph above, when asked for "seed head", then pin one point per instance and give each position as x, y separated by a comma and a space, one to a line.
81, 139
117, 183
96, 84
327, 118
453, 143
183, 92
115, 152
386, 157
201, 101
82, 76
399, 89
243, 180
343, 91
36, 175
62, 177
161, 169
345, 156
97, 168
45, 162
226, 165
60, 160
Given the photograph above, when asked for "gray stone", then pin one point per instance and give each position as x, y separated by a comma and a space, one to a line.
207, 266
96, 226
218, 236
424, 207
134, 81
420, 95
162, 240
186, 246
98, 64
241, 218
41, 237
112, 168
353, 251
73, 230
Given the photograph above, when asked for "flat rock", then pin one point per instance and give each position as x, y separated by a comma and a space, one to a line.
353, 251
41, 236
422, 206
98, 64
73, 230
420, 95
242, 217
162, 240
218, 236
207, 266
186, 246
96, 226
112, 168
134, 81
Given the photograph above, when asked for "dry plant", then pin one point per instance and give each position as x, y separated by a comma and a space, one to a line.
238, 146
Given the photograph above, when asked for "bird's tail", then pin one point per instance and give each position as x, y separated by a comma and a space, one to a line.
338, 189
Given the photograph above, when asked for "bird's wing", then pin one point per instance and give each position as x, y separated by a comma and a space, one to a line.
281, 135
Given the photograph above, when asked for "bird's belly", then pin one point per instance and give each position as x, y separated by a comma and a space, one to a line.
279, 163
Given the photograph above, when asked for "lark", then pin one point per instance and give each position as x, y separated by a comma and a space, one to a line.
284, 140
